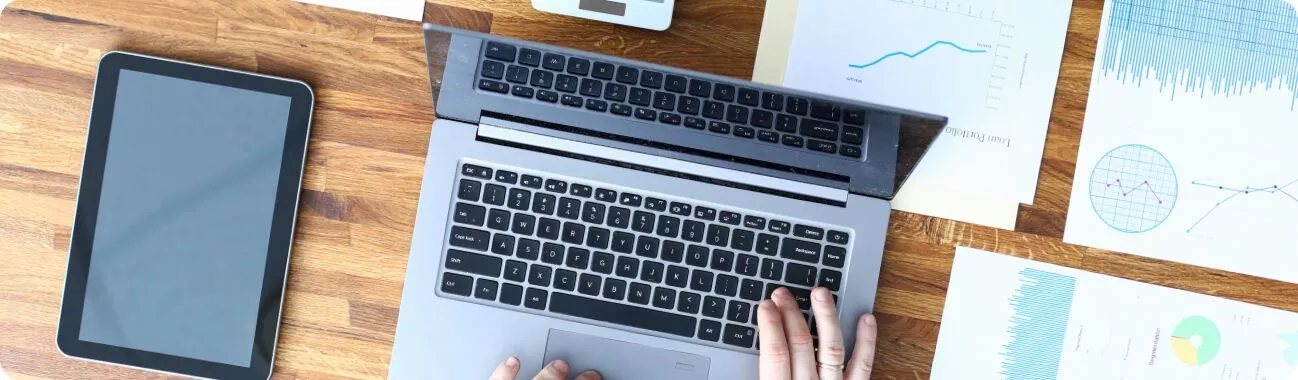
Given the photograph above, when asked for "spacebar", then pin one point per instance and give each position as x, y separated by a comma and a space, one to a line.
626, 315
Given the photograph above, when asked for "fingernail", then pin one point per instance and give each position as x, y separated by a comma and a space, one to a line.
783, 293
511, 362
560, 365
820, 294
589, 375
868, 319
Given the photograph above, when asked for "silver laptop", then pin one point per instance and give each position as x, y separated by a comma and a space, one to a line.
628, 217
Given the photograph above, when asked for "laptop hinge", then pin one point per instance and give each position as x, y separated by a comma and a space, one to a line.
494, 129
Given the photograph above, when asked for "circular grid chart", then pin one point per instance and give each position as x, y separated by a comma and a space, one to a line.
1133, 188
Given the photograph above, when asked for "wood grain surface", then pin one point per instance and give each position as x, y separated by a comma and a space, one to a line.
370, 134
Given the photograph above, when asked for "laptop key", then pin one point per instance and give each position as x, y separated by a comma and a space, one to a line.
818, 129
623, 242
722, 260
837, 237
591, 87
709, 330
645, 114
529, 57
786, 123
519, 199
695, 123
566, 83
486, 289
701, 280
578, 258
664, 298
569, 208
772, 101
606, 195
571, 101
511, 294
493, 69
602, 263
737, 335
652, 271
588, 284
780, 226
822, 146
539, 275
630, 199
737, 114
669, 118
772, 269
523, 92
602, 70
742, 240
470, 238
714, 110
621, 109
750, 290
593, 212
801, 250
457, 284
697, 255
799, 274
700, 88
535, 299
516, 74
767, 244
531, 181
738, 311
470, 214
552, 61
573, 233
501, 51
578, 66
527, 249
598, 238
655, 204
768, 136
548, 228
515, 271
627, 266
651, 79
675, 83
677, 276
835, 256
679, 209
664, 101
723, 92
791, 140
498, 219
474, 263
673, 251
552, 253
689, 105
718, 235
831, 279
687, 302
826, 111
647, 246
808, 232
853, 135
747, 265
749, 97
763, 119
469, 189
745, 132
543, 203
797, 106
668, 226
639, 293
596, 105
693, 230
643, 222
502, 244
628, 75
614, 289
619, 217
727, 285
714, 307
565, 280
719, 127
850, 151
622, 314
755, 222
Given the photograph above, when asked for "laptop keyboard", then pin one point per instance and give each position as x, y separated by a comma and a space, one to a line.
672, 99
565, 247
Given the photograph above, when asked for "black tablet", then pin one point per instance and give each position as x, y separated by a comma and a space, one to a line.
184, 218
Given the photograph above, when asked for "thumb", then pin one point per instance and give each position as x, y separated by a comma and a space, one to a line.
556, 370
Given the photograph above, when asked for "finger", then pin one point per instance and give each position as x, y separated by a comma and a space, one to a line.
830, 333
774, 362
797, 334
589, 375
863, 354
507, 370
556, 370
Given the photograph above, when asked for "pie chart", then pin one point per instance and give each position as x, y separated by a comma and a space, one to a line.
1196, 340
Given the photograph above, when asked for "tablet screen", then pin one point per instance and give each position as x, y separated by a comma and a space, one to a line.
185, 214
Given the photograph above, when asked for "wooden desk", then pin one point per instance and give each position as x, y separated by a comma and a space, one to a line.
369, 137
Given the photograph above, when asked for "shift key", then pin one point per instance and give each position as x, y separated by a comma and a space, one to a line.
482, 265
470, 238
801, 250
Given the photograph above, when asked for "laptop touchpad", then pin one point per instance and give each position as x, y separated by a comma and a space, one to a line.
618, 360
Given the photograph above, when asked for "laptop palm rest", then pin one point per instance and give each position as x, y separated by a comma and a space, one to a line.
618, 360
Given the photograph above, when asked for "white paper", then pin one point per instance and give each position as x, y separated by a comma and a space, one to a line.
1174, 169
404, 9
988, 65
1017, 319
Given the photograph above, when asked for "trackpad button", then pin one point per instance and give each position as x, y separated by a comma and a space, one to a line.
618, 360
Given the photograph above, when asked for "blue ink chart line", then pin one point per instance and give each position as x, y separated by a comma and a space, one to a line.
1273, 190
918, 53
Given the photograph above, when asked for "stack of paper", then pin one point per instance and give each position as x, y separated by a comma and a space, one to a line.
1016, 319
989, 66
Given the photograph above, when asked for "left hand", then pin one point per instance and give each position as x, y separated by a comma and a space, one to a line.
556, 370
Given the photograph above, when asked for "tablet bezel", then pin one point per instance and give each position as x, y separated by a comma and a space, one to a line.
282, 224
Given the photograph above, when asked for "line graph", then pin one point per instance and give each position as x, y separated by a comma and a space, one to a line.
918, 53
1212, 47
1133, 208
1145, 184
1235, 192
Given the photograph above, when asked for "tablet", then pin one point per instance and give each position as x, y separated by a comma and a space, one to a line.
184, 218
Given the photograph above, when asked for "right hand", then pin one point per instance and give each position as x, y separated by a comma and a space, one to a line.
787, 352
556, 370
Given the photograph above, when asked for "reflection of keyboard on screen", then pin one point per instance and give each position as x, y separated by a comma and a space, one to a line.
649, 14
560, 246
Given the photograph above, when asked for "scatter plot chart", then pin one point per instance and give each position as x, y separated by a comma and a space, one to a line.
1133, 188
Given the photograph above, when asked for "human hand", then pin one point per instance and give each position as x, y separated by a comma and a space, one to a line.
556, 370
787, 352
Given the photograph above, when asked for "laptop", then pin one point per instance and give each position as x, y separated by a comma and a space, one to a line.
627, 217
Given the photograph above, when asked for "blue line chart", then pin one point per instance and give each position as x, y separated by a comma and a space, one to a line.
1280, 190
918, 53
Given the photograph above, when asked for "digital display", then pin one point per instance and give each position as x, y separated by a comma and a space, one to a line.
183, 229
